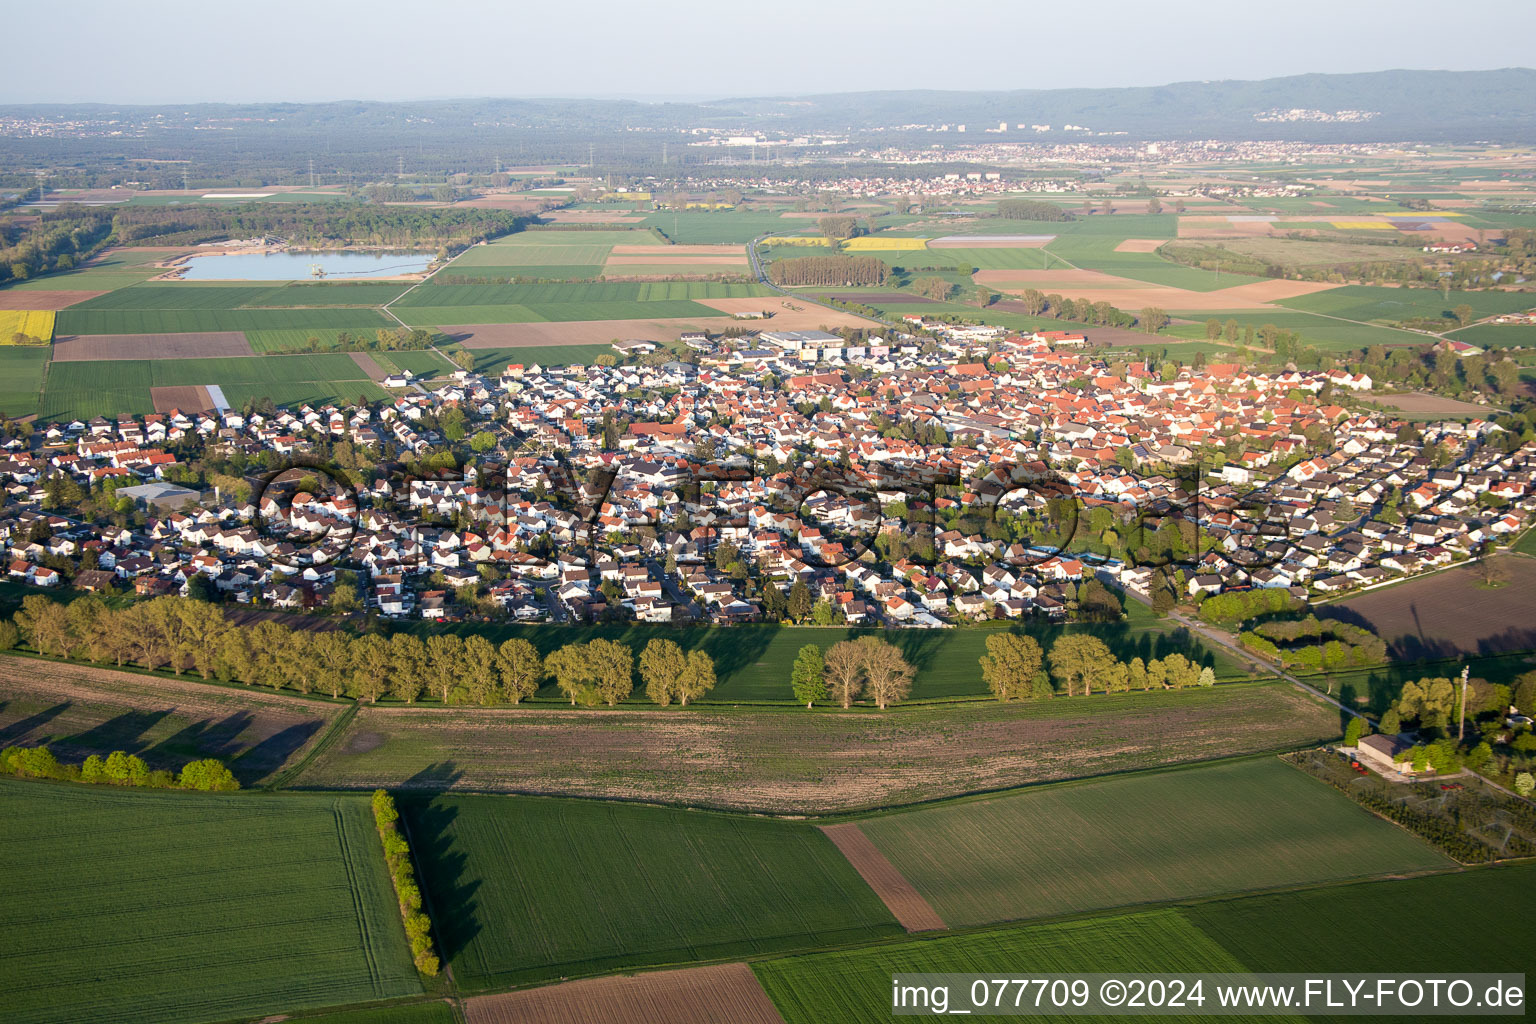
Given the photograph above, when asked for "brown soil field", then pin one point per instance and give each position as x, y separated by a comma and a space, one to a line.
678, 250
808, 317
44, 300
80, 710
1131, 295
793, 761
1450, 613
369, 365
1140, 245
71, 348
991, 242
664, 259
717, 994
1419, 402
904, 902
181, 397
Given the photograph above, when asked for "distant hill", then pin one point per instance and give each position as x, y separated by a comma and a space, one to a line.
1461, 106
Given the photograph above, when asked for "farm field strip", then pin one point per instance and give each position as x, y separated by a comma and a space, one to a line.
1090, 846
900, 898
522, 887
80, 710
175, 321
145, 906
790, 761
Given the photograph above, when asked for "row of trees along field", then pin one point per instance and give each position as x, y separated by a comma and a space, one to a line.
314, 224
1014, 668
1101, 314
1032, 209
397, 854
59, 240
118, 768
828, 271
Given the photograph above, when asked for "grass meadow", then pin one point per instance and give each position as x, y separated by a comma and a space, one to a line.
182, 321
1368, 302
1242, 825
155, 907
529, 889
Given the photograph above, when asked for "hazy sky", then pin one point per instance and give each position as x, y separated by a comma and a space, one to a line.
92, 50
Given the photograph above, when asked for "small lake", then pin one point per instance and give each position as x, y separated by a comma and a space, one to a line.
295, 266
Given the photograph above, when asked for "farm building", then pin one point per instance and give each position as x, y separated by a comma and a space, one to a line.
1379, 751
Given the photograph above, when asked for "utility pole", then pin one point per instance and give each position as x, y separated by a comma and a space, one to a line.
400, 166
591, 157
1461, 725
311, 172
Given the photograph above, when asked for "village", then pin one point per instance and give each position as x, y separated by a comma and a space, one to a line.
669, 537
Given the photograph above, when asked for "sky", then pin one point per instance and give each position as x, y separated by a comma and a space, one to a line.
285, 50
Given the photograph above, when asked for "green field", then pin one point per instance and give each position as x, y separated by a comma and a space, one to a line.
527, 889
423, 361
1499, 335
719, 227
21, 378
1367, 303
433, 316
1308, 931
106, 387
531, 249
435, 1012
128, 906
853, 986
574, 292
542, 271
1242, 825
494, 360
180, 321
1322, 332
294, 339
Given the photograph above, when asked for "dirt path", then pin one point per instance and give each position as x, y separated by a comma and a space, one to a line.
900, 897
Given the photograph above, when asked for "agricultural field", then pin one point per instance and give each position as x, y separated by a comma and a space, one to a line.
127, 906
796, 761
1449, 613
527, 889
36, 324
719, 227
1291, 931
21, 379
79, 710
854, 985
81, 390
493, 360
1367, 303
1242, 825
172, 321
1499, 335
1323, 332
716, 994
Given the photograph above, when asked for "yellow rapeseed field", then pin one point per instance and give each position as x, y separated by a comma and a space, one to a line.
36, 324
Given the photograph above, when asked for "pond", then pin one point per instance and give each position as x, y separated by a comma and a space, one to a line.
296, 266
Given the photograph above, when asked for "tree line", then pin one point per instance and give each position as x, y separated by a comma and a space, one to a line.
118, 768
397, 853
60, 239
1017, 668
1032, 209
1101, 314
828, 271
314, 224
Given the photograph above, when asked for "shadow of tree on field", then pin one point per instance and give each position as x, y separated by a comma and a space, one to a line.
123, 732
443, 863
21, 729
263, 759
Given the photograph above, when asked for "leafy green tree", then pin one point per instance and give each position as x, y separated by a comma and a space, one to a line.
698, 677
799, 601
807, 678
407, 667
1010, 665
887, 674
1353, 732
370, 667
518, 661
661, 667
480, 670
445, 653
1080, 661
208, 775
